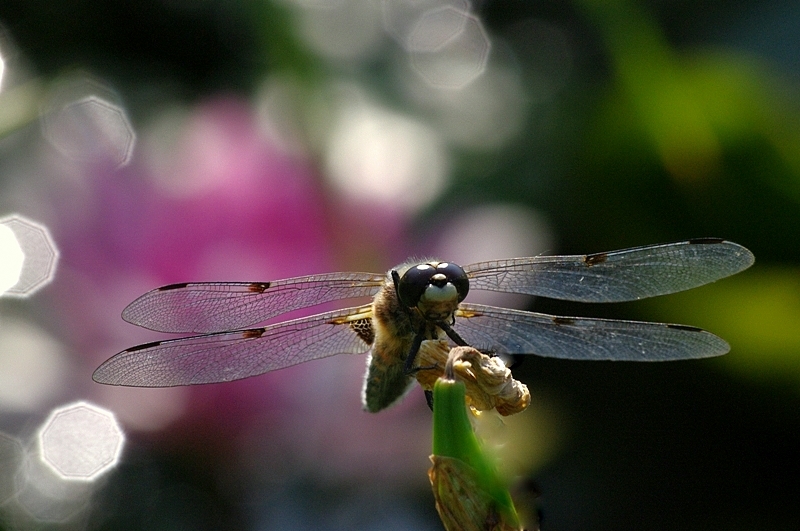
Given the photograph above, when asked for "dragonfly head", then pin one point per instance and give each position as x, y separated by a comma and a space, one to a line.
433, 288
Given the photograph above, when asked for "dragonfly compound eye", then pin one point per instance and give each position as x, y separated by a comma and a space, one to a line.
456, 276
413, 283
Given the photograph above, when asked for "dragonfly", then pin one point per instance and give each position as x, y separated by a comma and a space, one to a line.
414, 302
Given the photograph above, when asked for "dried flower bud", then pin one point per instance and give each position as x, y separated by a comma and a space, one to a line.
462, 503
489, 382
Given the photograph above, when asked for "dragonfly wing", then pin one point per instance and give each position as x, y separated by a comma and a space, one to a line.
226, 356
615, 276
507, 331
204, 307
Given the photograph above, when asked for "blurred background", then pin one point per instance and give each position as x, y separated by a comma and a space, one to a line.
156, 141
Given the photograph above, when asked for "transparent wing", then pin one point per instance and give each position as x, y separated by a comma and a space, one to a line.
204, 307
507, 331
615, 276
226, 356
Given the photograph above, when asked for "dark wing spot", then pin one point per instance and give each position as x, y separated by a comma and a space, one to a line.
594, 259
253, 333
258, 287
180, 285
687, 328
563, 320
697, 241
142, 347
363, 328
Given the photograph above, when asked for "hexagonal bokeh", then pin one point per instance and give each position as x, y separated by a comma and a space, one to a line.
449, 48
13, 258
400, 16
84, 123
39, 256
80, 441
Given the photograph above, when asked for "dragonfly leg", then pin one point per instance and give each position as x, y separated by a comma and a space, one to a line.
452, 334
429, 399
412, 353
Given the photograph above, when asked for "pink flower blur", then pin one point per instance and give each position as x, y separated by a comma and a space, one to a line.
258, 215
248, 212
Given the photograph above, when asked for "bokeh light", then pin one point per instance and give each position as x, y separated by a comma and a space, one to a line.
13, 257
45, 496
33, 366
401, 16
484, 115
11, 457
449, 47
84, 123
55, 477
376, 155
80, 441
39, 252
344, 30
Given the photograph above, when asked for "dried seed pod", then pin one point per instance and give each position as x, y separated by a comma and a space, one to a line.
490, 384
462, 503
